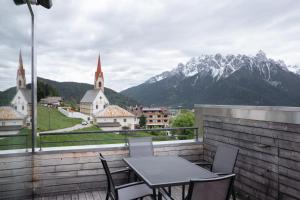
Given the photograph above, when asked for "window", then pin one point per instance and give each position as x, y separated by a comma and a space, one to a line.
99, 84
165, 120
150, 116
158, 116
20, 83
124, 120
3, 123
22, 107
96, 106
150, 120
159, 120
165, 115
100, 97
115, 120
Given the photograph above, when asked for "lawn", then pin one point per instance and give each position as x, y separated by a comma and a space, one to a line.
68, 139
17, 141
94, 138
51, 119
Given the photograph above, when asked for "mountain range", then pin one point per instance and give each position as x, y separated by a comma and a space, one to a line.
218, 79
72, 91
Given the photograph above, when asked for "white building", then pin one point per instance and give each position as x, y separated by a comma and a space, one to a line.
10, 119
95, 100
22, 100
114, 117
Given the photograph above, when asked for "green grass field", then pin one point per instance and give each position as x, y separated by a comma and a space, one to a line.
17, 142
73, 139
57, 120
94, 138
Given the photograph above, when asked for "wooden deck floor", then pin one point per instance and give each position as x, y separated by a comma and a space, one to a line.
100, 195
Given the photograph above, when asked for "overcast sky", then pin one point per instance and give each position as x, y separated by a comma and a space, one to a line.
141, 38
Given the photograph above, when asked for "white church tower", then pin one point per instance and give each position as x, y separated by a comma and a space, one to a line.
94, 100
21, 80
99, 78
22, 100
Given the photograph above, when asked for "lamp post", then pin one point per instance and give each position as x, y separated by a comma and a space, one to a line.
47, 4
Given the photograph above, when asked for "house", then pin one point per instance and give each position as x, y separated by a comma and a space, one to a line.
10, 119
156, 117
51, 101
114, 117
94, 100
22, 100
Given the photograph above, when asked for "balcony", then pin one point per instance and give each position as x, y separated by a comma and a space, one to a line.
267, 166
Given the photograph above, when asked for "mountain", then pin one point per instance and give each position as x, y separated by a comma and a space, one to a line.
217, 79
72, 91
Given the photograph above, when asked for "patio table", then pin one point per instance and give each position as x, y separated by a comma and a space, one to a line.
166, 171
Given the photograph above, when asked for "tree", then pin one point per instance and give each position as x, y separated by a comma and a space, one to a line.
142, 121
45, 90
184, 119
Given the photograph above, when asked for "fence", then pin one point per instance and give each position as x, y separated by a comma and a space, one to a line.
118, 136
269, 142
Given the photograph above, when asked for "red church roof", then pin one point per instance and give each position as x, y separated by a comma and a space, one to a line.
99, 70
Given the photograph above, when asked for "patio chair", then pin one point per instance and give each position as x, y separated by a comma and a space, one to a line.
139, 147
128, 191
224, 161
206, 189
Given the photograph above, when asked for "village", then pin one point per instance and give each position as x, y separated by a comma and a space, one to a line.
94, 111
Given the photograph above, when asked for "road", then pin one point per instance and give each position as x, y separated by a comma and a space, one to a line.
69, 129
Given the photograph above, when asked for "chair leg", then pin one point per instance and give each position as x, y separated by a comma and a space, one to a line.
233, 193
170, 190
107, 196
183, 191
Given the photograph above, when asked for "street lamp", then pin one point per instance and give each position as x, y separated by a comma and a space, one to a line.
47, 4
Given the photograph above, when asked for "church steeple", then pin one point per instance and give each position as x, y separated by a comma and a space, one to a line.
21, 79
99, 77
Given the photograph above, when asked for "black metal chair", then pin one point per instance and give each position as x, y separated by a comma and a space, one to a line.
139, 147
128, 191
224, 161
206, 189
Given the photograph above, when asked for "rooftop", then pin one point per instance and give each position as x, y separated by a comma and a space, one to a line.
114, 111
8, 113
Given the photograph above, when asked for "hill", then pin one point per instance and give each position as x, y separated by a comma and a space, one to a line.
217, 79
72, 91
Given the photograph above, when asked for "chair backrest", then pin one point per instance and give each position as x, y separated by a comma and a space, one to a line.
225, 159
110, 182
141, 146
211, 189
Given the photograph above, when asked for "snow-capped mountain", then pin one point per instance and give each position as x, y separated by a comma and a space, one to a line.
219, 67
217, 79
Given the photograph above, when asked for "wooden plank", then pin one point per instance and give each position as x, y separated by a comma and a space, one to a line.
96, 195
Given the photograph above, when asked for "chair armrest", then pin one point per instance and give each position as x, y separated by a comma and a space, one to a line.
203, 163
163, 194
120, 171
222, 174
128, 185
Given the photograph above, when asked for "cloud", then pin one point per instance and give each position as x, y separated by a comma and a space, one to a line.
139, 39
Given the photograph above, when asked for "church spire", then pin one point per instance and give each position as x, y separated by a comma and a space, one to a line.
20, 60
21, 80
99, 77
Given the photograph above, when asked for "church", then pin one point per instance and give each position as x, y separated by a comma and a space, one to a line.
94, 100
22, 100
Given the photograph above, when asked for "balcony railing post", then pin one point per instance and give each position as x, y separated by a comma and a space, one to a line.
197, 135
41, 142
26, 138
126, 138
